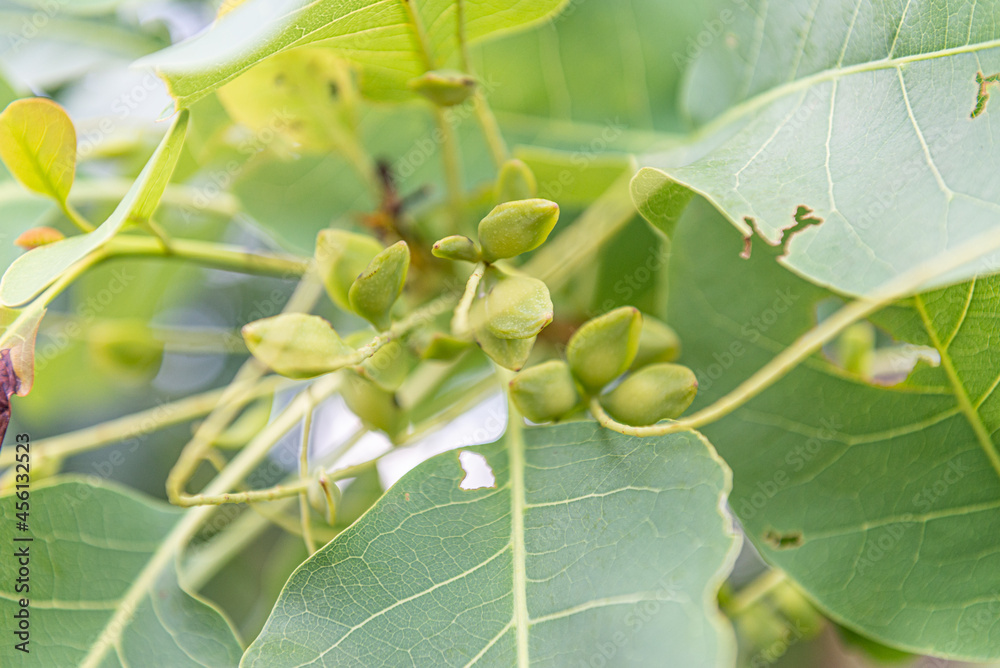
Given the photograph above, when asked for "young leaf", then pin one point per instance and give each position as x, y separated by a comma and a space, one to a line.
91, 540
583, 533
33, 272
391, 42
38, 145
864, 139
879, 500
297, 345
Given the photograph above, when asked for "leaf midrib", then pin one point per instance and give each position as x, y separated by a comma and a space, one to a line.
515, 446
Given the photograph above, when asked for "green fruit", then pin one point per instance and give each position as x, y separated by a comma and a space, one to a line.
297, 345
340, 257
514, 307
125, 348
457, 247
375, 291
604, 348
657, 343
515, 182
389, 366
509, 353
377, 408
545, 392
444, 88
516, 227
443, 347
657, 392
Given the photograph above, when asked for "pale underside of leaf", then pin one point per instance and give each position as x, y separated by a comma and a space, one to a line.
582, 532
868, 129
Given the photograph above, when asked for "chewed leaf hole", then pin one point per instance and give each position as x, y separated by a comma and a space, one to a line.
783, 540
478, 473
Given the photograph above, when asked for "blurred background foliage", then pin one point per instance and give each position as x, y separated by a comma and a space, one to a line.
574, 97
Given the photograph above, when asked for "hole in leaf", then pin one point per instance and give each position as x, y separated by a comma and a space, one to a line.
869, 352
783, 540
983, 96
478, 473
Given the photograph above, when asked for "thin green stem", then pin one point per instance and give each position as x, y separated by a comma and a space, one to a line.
452, 161
491, 129
210, 254
460, 322
135, 425
75, 217
304, 510
760, 587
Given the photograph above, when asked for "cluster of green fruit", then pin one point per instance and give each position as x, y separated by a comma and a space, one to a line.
598, 353
502, 310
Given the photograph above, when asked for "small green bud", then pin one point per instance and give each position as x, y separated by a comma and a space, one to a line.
516, 181
458, 248
444, 88
604, 348
390, 366
545, 392
377, 408
377, 289
341, 256
657, 392
514, 307
442, 347
657, 343
296, 345
125, 348
516, 227
509, 353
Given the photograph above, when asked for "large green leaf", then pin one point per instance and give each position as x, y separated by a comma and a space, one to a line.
855, 114
882, 502
34, 271
590, 546
392, 41
90, 541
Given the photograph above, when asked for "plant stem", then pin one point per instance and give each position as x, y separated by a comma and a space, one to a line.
210, 254
460, 322
75, 217
760, 587
135, 425
452, 162
491, 129
304, 510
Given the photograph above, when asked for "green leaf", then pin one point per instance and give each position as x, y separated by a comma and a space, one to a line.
589, 543
391, 41
38, 145
880, 501
90, 542
844, 131
36, 270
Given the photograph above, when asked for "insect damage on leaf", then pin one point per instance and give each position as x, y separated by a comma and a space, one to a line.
783, 540
983, 95
478, 472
